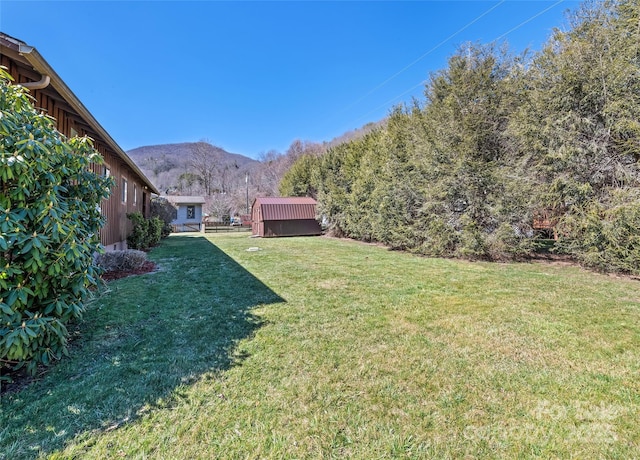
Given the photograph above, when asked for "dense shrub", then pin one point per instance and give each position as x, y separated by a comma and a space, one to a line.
112, 261
155, 231
49, 221
498, 140
146, 233
139, 236
605, 236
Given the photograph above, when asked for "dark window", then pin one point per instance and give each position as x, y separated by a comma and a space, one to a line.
191, 212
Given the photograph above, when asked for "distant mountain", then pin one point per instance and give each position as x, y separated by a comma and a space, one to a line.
181, 153
172, 169
170, 166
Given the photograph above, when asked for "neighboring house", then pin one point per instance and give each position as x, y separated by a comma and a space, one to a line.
189, 213
284, 216
132, 191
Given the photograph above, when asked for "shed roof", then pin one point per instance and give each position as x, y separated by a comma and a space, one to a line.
286, 208
176, 199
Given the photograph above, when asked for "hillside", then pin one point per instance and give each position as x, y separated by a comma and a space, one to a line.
170, 166
228, 181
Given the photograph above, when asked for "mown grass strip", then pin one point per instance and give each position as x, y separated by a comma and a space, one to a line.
321, 348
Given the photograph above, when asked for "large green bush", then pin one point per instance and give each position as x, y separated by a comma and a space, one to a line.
139, 236
155, 230
146, 233
498, 140
605, 236
49, 222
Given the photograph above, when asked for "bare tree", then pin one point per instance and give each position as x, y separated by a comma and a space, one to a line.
220, 207
205, 160
274, 165
268, 175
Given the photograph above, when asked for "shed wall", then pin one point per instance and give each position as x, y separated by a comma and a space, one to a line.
182, 224
284, 216
182, 214
275, 228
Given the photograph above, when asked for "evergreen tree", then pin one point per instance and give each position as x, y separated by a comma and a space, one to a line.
580, 131
497, 141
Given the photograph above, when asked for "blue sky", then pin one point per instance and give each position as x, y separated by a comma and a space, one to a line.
254, 76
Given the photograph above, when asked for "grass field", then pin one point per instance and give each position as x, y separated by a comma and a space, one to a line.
323, 348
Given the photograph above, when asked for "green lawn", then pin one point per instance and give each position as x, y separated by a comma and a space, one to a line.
322, 348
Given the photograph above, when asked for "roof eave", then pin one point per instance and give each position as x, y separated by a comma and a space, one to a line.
40, 65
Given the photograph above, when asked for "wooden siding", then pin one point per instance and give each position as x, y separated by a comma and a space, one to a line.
118, 226
114, 234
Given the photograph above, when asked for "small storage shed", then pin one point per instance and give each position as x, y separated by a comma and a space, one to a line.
284, 216
189, 213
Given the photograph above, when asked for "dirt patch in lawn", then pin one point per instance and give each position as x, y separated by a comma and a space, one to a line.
554, 259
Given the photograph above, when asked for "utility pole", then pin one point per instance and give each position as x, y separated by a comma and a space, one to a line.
246, 181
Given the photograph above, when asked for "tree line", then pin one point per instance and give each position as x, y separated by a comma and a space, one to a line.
224, 179
260, 178
501, 148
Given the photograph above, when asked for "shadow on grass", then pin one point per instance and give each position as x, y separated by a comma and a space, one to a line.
139, 342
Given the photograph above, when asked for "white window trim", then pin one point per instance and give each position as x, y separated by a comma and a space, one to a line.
124, 193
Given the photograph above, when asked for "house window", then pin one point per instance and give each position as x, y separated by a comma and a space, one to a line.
135, 194
191, 212
106, 172
124, 190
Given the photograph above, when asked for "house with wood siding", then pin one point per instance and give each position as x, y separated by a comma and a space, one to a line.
133, 189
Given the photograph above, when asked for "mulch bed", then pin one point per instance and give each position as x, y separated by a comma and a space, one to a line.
147, 267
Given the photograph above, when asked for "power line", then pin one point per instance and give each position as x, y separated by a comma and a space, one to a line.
528, 20
423, 82
424, 55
